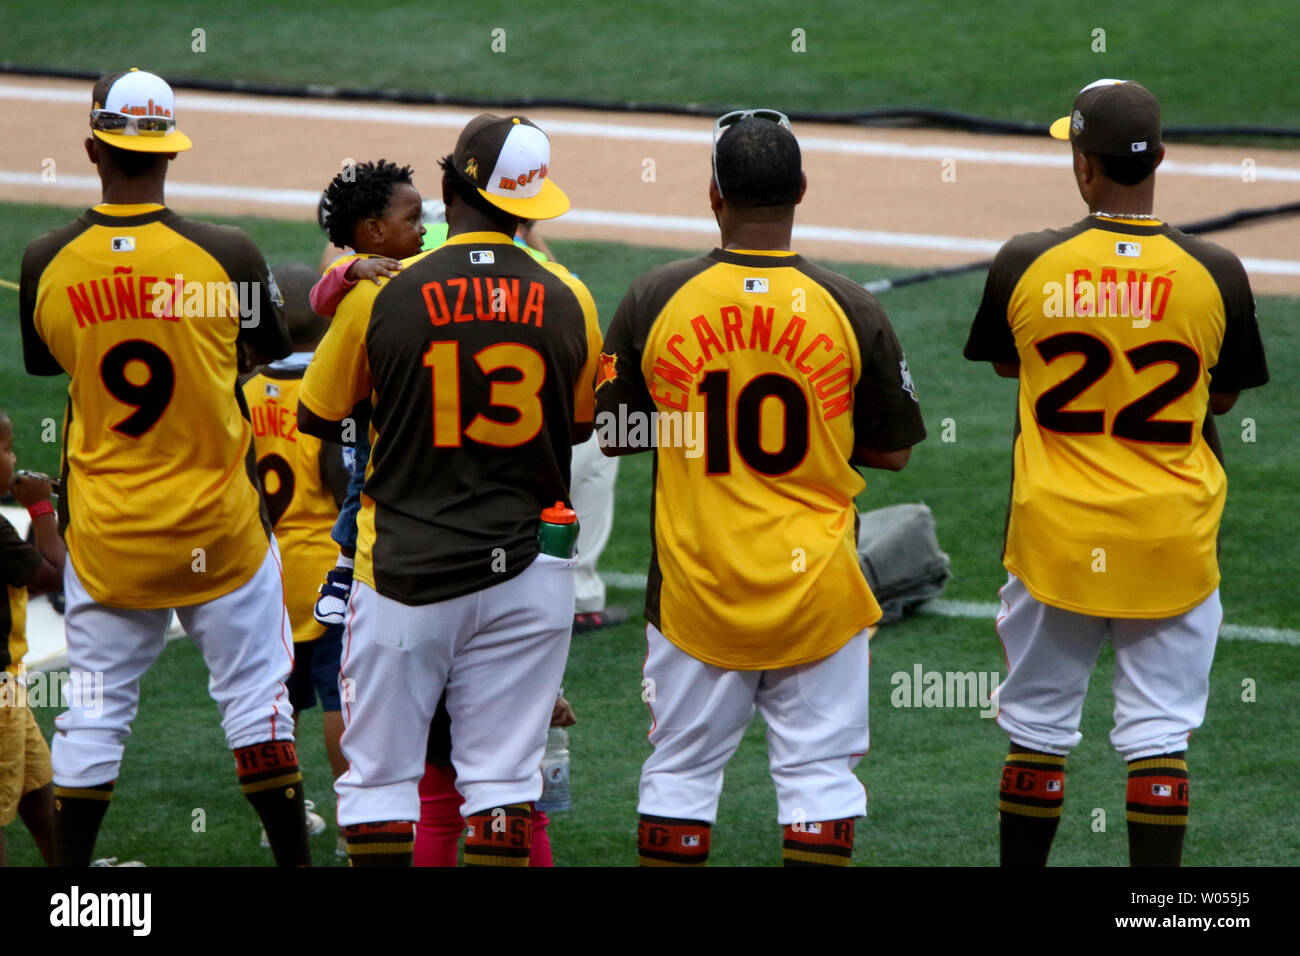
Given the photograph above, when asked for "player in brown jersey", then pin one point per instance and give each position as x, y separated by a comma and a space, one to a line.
479, 361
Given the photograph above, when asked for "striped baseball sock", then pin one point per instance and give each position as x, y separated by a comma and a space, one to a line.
272, 783
825, 843
1157, 809
78, 812
669, 841
1029, 809
385, 843
501, 836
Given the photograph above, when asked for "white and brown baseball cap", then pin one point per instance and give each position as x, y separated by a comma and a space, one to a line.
508, 158
1113, 118
136, 110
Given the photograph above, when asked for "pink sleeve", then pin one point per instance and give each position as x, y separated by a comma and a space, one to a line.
330, 290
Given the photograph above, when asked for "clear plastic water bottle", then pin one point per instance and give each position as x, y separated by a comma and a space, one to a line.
555, 772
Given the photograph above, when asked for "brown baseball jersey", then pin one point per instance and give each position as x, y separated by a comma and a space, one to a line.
478, 360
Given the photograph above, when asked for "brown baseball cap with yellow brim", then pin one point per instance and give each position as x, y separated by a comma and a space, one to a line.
508, 158
136, 110
1112, 118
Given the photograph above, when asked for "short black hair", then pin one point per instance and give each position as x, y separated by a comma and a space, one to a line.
759, 164
132, 163
468, 193
1129, 170
358, 193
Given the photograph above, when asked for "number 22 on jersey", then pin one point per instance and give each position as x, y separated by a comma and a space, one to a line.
1136, 421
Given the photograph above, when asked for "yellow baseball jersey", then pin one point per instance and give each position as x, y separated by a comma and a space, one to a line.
761, 373
1122, 328
143, 309
478, 360
18, 562
303, 483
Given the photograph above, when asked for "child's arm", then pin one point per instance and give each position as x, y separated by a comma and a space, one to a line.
338, 281
45, 567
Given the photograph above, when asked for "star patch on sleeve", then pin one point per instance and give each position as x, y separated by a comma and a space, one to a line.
607, 370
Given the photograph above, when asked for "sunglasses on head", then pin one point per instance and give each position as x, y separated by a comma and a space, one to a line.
727, 120
109, 121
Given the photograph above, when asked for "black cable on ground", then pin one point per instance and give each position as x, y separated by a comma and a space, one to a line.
893, 117
1201, 226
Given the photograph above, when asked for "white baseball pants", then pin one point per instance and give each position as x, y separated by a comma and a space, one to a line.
592, 490
500, 654
245, 640
1162, 673
816, 717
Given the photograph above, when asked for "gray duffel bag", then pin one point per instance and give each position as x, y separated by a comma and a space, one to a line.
901, 558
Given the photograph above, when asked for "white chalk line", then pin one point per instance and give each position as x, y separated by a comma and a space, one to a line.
988, 610
637, 222
442, 117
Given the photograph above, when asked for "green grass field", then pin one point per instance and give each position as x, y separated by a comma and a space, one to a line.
1002, 58
932, 774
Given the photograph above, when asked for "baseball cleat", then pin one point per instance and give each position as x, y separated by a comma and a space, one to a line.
333, 601
315, 825
112, 861
594, 620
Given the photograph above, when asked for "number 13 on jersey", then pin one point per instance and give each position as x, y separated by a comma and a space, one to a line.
519, 396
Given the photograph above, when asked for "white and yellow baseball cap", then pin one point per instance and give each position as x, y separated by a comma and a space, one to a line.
136, 110
508, 159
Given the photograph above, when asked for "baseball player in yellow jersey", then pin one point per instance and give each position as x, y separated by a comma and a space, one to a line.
303, 480
478, 360
145, 310
789, 375
1124, 334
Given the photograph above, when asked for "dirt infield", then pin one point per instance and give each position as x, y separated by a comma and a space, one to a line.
911, 198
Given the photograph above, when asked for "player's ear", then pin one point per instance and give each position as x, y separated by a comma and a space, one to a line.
1083, 166
803, 187
92, 150
715, 198
1160, 158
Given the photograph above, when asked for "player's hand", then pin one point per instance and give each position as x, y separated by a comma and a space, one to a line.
563, 715
31, 488
373, 269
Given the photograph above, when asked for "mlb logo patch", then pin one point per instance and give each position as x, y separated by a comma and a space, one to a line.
1131, 249
123, 243
272, 390
691, 839
482, 257
1161, 790
755, 285
1139, 147
1053, 786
